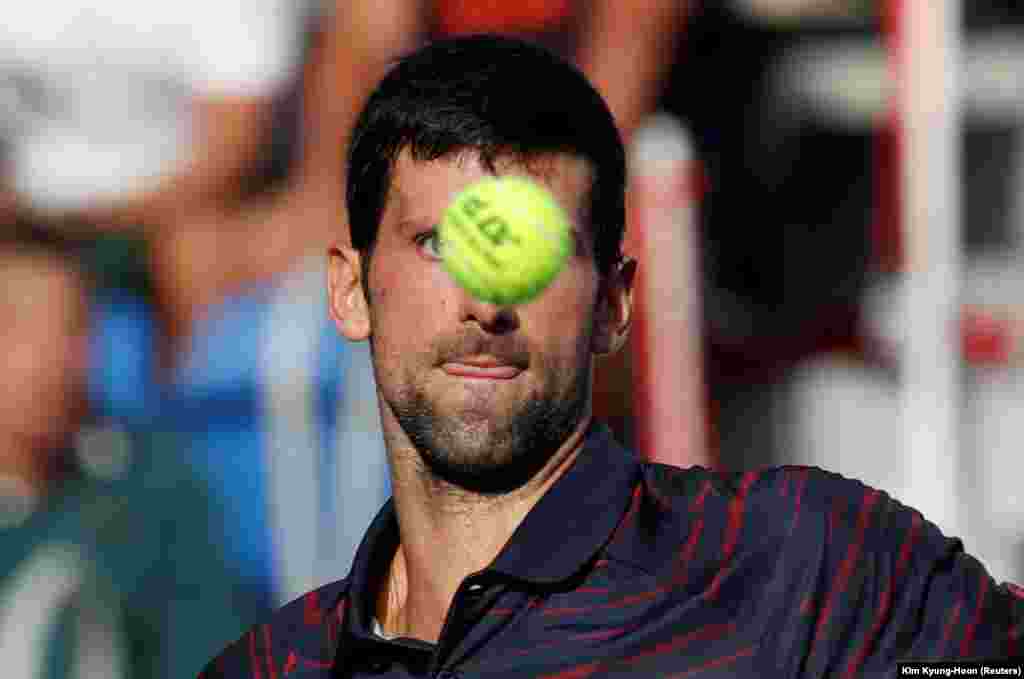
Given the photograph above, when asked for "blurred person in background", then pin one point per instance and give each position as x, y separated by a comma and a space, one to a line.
141, 124
137, 127
241, 363
104, 570
45, 345
168, 136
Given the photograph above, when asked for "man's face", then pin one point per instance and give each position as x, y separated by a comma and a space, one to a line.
486, 394
43, 345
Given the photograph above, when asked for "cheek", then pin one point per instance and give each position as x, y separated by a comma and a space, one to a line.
569, 302
407, 308
563, 315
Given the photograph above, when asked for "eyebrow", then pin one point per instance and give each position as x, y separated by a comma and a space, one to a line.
416, 224
580, 239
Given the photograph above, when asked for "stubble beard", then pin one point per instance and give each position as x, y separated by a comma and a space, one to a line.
484, 456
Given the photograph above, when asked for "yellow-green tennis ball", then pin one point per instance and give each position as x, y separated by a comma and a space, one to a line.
504, 239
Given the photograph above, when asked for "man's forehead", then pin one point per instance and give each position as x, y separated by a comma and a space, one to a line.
566, 174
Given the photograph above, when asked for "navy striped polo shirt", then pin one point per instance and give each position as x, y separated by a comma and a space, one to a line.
626, 568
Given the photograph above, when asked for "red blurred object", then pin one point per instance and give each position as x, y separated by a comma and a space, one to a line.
887, 235
987, 338
671, 415
500, 16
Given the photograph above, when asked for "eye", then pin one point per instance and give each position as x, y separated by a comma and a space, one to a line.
430, 243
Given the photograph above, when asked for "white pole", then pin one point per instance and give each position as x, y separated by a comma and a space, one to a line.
669, 386
929, 94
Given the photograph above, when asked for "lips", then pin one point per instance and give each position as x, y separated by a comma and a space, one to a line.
481, 368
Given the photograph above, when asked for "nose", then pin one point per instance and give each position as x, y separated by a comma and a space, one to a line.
492, 318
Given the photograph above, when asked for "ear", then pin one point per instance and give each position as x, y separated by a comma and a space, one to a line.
348, 305
615, 308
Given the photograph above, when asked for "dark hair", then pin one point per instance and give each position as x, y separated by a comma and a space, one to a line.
497, 97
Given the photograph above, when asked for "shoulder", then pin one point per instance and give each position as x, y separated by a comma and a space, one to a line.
804, 506
809, 548
696, 488
794, 520
302, 634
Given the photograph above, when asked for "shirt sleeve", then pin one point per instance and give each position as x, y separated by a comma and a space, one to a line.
871, 582
301, 638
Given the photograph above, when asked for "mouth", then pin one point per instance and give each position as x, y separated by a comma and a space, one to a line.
482, 368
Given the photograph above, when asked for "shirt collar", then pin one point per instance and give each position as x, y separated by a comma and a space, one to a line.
563, 531
577, 515
372, 560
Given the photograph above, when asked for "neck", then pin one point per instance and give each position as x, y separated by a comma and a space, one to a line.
448, 533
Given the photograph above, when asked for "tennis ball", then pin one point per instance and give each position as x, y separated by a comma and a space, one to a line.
504, 239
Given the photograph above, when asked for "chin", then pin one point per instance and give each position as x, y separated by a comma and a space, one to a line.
486, 476
476, 454
494, 443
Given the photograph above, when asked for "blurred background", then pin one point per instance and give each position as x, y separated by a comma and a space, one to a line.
826, 206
